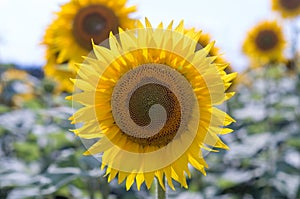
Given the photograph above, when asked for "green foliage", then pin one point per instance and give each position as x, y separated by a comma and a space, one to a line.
27, 151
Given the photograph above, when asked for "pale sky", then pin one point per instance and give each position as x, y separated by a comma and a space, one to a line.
22, 24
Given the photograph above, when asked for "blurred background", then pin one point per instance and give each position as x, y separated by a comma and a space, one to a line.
23, 24
41, 158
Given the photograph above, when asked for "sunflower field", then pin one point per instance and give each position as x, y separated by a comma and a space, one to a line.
124, 109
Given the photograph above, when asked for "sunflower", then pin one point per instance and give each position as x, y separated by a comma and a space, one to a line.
150, 101
59, 73
204, 40
69, 36
265, 43
287, 8
17, 87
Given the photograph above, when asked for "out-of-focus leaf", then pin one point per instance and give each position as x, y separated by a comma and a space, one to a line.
21, 193
27, 151
287, 184
292, 157
294, 142
3, 109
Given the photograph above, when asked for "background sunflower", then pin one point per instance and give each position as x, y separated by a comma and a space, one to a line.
16, 87
69, 36
287, 8
265, 43
204, 40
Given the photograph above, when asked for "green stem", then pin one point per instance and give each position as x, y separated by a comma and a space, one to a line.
160, 192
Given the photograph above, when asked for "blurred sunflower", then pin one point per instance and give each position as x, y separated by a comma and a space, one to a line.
203, 41
69, 36
150, 100
287, 8
17, 87
265, 43
59, 73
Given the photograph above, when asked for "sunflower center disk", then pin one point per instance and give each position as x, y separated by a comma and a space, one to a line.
94, 22
156, 99
266, 40
290, 4
152, 104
